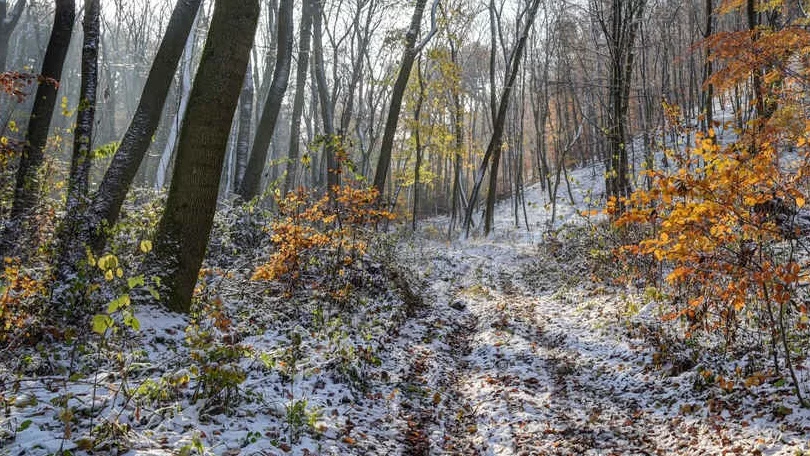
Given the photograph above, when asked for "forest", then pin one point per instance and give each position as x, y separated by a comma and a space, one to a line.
381, 227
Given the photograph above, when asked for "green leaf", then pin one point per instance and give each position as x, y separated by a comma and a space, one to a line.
101, 323
117, 303
107, 150
132, 322
24, 425
137, 281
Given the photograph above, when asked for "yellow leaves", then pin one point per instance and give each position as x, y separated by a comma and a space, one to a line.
145, 246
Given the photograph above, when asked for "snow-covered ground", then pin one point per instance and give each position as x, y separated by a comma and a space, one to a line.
514, 349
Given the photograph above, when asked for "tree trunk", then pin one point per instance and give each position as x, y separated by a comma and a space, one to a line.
398, 91
251, 182
327, 111
417, 120
243, 134
135, 143
186, 78
26, 188
458, 133
625, 16
7, 23
71, 242
494, 147
182, 235
301, 70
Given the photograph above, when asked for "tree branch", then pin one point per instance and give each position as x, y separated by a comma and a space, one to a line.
433, 28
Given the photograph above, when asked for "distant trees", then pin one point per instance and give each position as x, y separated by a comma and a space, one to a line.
508, 95
8, 21
250, 185
492, 156
619, 21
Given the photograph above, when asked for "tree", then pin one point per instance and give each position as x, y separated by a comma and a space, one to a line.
243, 133
412, 49
327, 110
8, 21
493, 151
182, 234
298, 102
252, 179
619, 21
70, 253
27, 179
121, 172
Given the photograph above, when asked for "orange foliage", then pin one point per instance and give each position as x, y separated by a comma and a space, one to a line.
18, 291
329, 233
722, 221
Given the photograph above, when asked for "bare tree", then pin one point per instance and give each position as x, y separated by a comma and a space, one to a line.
412, 49
67, 286
326, 100
243, 133
619, 21
302, 68
251, 182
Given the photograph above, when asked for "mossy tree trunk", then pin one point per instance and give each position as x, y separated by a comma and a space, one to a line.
183, 231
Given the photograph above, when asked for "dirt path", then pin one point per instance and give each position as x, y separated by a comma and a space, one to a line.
537, 361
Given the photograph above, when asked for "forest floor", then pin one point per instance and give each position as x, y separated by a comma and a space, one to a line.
507, 345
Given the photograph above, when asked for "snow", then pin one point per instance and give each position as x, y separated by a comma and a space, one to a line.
515, 351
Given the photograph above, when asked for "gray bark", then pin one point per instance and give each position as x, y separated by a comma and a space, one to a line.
243, 134
302, 68
8, 21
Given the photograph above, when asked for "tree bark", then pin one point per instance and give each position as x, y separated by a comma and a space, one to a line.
417, 120
251, 182
398, 91
135, 143
67, 285
182, 234
26, 187
243, 133
186, 79
327, 111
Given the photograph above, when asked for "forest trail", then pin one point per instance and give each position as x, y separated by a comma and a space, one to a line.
539, 360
